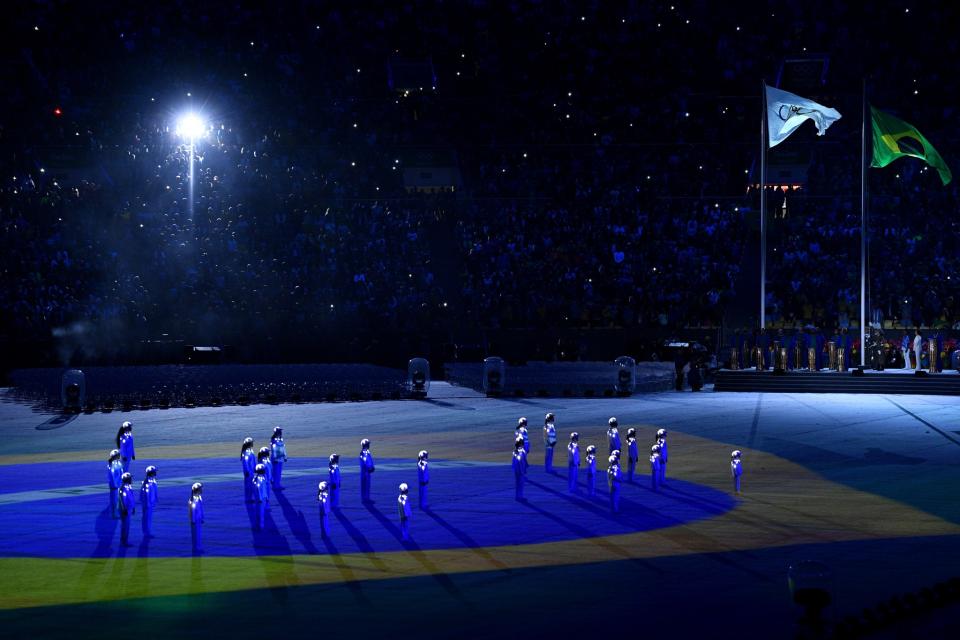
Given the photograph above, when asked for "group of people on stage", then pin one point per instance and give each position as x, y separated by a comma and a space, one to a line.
658, 459
814, 350
933, 350
807, 349
262, 472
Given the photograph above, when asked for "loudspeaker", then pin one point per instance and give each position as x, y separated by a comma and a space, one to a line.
857, 372
920, 373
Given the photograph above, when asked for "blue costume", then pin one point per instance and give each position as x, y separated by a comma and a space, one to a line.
263, 457
323, 500
128, 506
939, 342
519, 468
262, 484
148, 499
195, 513
613, 435
662, 441
789, 343
114, 480
249, 461
366, 470
333, 478
905, 348
125, 445
736, 470
744, 345
819, 342
633, 454
423, 477
403, 509
573, 461
614, 480
655, 467
763, 341
549, 441
278, 455
523, 433
591, 471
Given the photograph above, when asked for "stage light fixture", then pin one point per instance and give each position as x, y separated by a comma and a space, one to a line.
191, 126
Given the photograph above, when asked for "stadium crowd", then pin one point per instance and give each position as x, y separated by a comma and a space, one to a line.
594, 189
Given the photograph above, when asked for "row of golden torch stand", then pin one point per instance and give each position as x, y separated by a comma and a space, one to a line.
836, 357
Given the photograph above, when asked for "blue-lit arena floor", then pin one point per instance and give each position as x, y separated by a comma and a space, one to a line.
864, 484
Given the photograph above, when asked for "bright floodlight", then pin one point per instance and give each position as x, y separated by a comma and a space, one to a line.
191, 126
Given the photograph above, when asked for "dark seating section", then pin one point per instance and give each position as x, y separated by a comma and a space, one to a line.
145, 387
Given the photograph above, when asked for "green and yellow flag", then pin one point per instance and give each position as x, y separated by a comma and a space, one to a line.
893, 138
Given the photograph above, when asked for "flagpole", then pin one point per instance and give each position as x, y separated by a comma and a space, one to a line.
763, 205
863, 227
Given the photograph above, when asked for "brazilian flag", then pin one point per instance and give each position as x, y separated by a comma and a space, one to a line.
893, 138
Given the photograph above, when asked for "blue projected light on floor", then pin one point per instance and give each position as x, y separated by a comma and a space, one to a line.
60, 510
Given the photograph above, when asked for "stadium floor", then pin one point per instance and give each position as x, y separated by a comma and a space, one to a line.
864, 484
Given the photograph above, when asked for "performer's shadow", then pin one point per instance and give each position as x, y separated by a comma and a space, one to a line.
385, 521
360, 540
592, 507
417, 553
466, 540
268, 540
105, 528
298, 524
349, 579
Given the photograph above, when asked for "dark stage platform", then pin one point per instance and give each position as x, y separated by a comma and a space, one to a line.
895, 381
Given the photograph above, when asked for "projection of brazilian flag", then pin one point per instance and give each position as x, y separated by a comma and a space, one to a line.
893, 138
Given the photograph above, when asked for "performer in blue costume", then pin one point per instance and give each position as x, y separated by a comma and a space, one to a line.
655, 470
662, 442
423, 477
278, 455
149, 497
404, 511
613, 435
736, 469
549, 441
519, 465
128, 506
614, 482
366, 469
263, 457
820, 344
125, 444
905, 348
262, 485
591, 470
573, 461
939, 341
522, 432
195, 512
323, 500
248, 459
763, 341
333, 480
633, 454
114, 480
